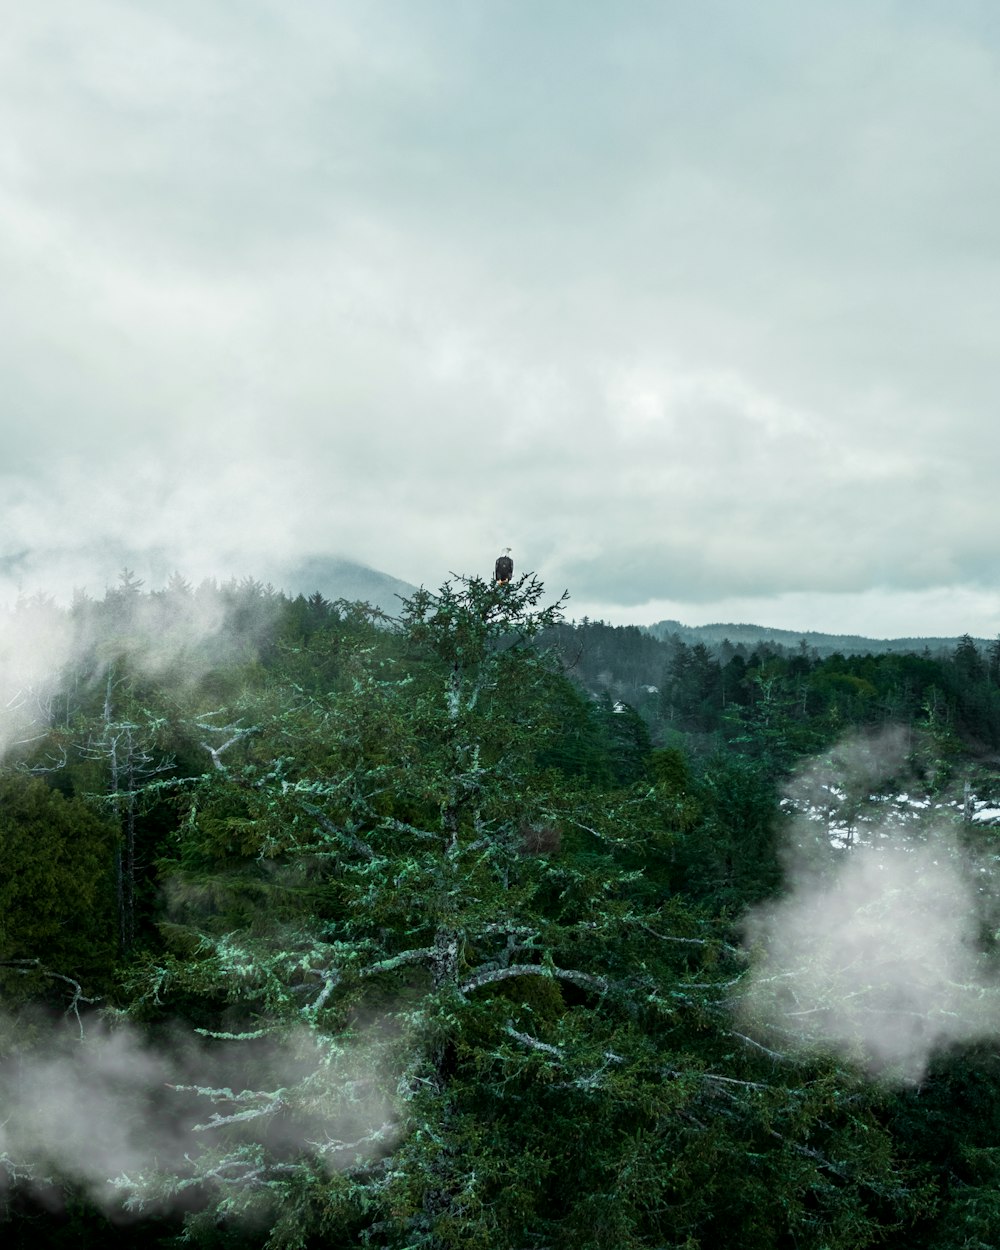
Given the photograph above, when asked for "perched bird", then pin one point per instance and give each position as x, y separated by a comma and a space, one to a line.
504, 569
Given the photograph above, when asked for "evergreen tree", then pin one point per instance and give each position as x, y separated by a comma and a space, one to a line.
381, 870
57, 917
466, 945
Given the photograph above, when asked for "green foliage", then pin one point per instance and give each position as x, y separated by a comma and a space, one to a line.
729, 857
489, 909
426, 851
56, 896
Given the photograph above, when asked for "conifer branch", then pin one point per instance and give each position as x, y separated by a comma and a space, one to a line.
27, 965
532, 1042
584, 979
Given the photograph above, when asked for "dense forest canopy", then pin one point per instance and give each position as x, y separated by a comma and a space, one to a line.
470, 928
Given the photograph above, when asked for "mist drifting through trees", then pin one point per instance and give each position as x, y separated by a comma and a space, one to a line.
473, 928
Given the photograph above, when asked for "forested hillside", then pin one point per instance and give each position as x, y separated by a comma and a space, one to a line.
700, 689
473, 930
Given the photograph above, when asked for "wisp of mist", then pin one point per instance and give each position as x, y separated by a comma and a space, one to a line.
123, 1115
40, 643
874, 952
108, 1105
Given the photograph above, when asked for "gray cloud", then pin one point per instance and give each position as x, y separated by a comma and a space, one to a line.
677, 304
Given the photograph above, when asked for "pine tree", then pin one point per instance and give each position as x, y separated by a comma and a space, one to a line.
501, 1036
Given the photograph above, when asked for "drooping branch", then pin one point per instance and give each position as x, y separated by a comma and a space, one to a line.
386, 1130
28, 965
423, 953
331, 980
737, 952
532, 1043
585, 1081
584, 979
216, 1120
56, 763
773, 1054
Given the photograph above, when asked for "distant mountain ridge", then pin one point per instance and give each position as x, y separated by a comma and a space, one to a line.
337, 578
822, 644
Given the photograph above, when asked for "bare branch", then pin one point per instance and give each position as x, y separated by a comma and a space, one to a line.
27, 965
428, 953
56, 762
251, 1113
332, 1146
736, 951
731, 1080
773, 1054
584, 979
527, 1040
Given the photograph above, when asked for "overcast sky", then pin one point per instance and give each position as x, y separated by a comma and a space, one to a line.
695, 306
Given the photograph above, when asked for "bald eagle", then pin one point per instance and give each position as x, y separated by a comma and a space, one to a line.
504, 569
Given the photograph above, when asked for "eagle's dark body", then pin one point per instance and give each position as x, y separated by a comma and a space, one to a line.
504, 569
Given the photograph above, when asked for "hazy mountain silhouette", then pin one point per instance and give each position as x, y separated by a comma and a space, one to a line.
337, 578
822, 644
